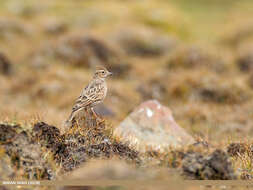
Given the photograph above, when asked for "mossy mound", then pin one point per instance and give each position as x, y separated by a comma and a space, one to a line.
87, 137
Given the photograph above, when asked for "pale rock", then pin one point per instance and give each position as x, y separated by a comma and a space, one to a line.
151, 125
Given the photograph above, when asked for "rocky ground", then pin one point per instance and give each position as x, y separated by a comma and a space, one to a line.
194, 60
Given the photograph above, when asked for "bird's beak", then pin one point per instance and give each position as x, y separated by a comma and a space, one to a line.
109, 73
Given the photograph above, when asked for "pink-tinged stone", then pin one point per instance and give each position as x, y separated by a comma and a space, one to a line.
151, 125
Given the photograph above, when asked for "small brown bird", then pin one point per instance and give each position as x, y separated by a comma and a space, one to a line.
92, 94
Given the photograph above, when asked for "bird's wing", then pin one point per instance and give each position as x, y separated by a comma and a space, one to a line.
89, 95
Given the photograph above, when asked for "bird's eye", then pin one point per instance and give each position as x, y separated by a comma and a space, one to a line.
103, 72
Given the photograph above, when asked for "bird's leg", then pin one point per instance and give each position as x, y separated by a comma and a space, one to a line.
79, 128
94, 113
100, 120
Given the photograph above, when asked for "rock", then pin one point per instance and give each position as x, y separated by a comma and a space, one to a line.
144, 43
152, 125
5, 65
216, 166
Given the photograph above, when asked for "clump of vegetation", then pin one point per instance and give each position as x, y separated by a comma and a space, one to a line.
195, 57
87, 138
144, 44
215, 166
242, 154
25, 154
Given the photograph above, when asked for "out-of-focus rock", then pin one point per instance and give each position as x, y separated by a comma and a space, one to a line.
152, 125
144, 43
194, 57
5, 65
216, 166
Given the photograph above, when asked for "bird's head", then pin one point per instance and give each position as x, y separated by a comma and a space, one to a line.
102, 73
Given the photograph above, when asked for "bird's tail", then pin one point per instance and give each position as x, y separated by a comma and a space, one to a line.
71, 117
68, 123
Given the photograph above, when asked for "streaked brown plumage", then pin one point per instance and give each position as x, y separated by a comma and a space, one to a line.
92, 94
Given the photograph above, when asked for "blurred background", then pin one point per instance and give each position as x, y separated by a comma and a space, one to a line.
194, 56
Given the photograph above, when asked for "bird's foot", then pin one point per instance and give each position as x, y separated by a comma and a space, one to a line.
100, 120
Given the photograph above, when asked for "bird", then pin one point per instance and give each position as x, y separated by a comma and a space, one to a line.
93, 94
